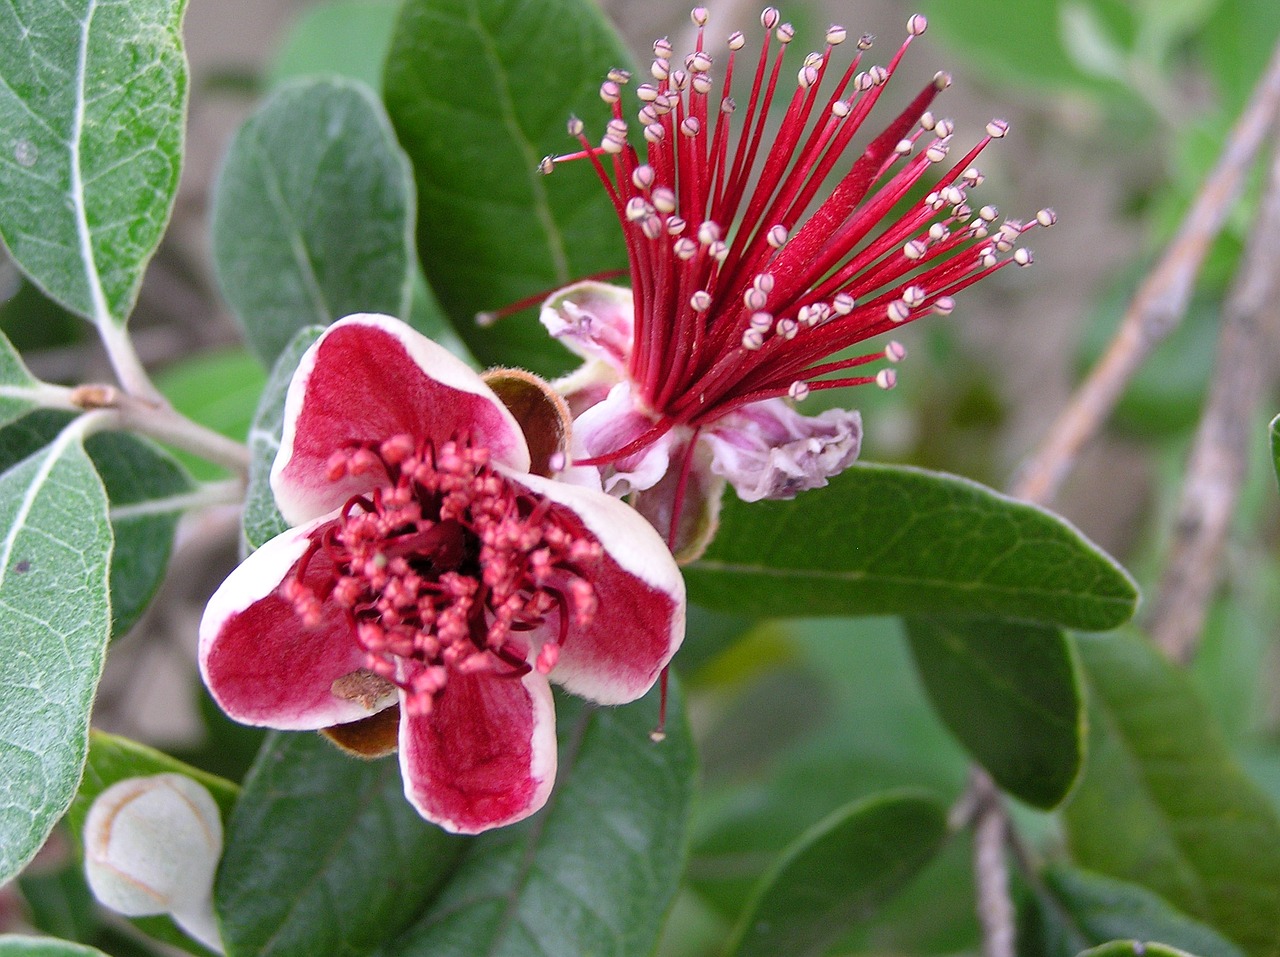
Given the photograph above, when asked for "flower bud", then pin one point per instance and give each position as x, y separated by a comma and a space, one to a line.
151, 846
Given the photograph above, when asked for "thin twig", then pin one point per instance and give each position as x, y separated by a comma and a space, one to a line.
1158, 306
990, 867
1244, 370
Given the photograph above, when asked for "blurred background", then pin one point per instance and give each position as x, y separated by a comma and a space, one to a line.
1118, 109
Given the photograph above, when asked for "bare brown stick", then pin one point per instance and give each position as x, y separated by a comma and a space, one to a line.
1244, 370
990, 868
1159, 304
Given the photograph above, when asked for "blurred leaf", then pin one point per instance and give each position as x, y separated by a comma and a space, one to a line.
55, 619
14, 946
1011, 693
219, 390
479, 93
1238, 40
595, 871
1164, 804
323, 854
262, 520
344, 37
889, 540
838, 874
93, 102
1076, 909
708, 636
313, 214
59, 902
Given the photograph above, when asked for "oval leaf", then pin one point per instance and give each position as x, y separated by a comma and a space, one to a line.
1010, 692
477, 108
892, 540
1134, 948
593, 872
14, 946
55, 619
1076, 909
323, 854
838, 874
1165, 805
19, 389
92, 101
313, 214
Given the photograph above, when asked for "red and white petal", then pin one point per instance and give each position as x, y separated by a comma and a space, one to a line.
484, 756
594, 320
639, 618
366, 379
259, 661
768, 450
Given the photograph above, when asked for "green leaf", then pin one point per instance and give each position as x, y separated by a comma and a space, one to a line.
55, 619
323, 854
19, 389
838, 874
346, 37
147, 491
262, 520
479, 93
1163, 802
593, 872
1076, 909
1133, 948
1010, 692
14, 946
893, 540
313, 214
92, 101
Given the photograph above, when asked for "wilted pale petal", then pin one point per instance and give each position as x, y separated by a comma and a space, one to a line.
613, 424
485, 754
366, 379
593, 319
768, 450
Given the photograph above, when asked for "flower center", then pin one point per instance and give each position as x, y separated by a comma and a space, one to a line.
448, 567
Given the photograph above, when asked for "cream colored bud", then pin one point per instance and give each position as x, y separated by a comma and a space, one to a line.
151, 846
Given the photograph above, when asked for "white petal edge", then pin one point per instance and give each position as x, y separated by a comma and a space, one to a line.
434, 359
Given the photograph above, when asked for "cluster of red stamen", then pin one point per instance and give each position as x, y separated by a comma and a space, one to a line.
448, 567
733, 302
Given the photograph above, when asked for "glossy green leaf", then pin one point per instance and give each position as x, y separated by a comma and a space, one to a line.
479, 93
1010, 692
313, 214
838, 874
1076, 909
16, 946
346, 37
893, 540
55, 619
593, 872
1134, 948
147, 490
262, 520
323, 854
1163, 802
92, 102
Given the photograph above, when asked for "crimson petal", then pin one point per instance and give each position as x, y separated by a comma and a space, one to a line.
484, 756
365, 380
258, 660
